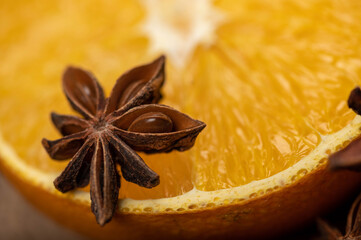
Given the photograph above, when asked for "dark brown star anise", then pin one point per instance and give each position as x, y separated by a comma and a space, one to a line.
350, 156
347, 158
111, 131
353, 226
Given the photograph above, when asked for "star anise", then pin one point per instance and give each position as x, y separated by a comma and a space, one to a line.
347, 158
353, 226
112, 129
350, 156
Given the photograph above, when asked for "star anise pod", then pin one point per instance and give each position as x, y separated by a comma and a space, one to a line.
112, 129
353, 226
350, 156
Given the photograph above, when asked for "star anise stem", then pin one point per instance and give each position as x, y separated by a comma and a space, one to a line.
112, 129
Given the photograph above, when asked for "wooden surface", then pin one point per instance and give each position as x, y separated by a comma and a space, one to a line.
20, 220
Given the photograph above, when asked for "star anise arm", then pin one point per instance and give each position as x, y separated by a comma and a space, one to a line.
67, 124
354, 100
138, 86
328, 233
353, 227
74, 175
65, 148
133, 168
104, 183
83, 92
157, 128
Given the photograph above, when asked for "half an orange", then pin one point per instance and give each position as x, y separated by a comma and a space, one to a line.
270, 79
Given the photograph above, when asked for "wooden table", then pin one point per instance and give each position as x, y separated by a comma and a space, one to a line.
20, 220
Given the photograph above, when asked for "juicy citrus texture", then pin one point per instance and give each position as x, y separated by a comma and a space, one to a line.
270, 87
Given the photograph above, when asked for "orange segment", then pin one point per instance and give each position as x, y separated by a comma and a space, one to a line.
244, 131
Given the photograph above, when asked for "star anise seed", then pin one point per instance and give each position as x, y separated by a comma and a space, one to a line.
353, 226
153, 122
112, 129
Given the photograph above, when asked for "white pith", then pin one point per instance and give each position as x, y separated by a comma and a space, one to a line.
194, 199
177, 31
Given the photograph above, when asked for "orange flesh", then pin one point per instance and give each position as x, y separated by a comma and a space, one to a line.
273, 83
